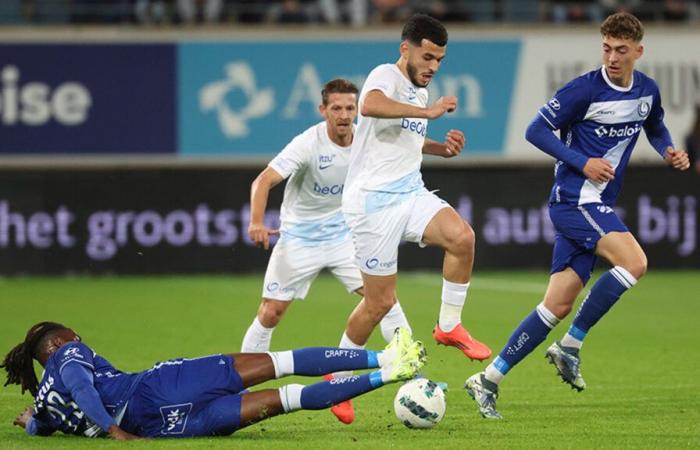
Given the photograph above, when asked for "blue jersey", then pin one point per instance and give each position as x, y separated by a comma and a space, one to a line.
54, 409
599, 119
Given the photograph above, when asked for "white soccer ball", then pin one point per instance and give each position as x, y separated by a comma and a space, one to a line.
420, 403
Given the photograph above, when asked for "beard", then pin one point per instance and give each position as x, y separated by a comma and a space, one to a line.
413, 75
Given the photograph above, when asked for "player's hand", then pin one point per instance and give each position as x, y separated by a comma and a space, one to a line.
22, 419
678, 159
441, 106
260, 234
454, 143
599, 170
118, 434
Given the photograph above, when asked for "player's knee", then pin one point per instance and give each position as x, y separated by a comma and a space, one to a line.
270, 313
638, 267
379, 308
462, 240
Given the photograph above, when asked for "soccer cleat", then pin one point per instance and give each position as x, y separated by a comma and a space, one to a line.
407, 356
568, 364
484, 394
343, 411
459, 337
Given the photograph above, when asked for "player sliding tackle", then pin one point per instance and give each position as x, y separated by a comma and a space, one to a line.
81, 393
599, 115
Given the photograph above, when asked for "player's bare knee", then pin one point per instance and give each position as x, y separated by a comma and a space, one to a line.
638, 267
378, 309
270, 313
461, 241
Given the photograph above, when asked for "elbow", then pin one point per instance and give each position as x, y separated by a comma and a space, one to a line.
365, 109
531, 133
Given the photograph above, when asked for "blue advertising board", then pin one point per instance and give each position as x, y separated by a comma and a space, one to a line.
93, 98
254, 97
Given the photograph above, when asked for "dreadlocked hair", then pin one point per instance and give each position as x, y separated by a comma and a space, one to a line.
19, 362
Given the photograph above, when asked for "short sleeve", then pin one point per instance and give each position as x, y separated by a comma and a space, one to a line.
75, 352
568, 105
294, 156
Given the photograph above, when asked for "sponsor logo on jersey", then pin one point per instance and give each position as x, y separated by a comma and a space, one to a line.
414, 126
336, 189
175, 418
325, 161
617, 132
554, 103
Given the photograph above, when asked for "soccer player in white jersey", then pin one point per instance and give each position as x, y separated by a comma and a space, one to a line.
385, 200
313, 233
600, 116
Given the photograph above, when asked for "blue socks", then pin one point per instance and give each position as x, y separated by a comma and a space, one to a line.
317, 361
529, 334
327, 393
604, 293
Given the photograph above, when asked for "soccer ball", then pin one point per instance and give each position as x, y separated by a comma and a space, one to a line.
420, 403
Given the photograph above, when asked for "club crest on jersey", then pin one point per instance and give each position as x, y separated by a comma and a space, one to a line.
175, 418
643, 109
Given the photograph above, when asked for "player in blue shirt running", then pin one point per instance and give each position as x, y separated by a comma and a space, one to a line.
599, 116
81, 393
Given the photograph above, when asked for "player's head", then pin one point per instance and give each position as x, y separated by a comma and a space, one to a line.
41, 341
423, 46
622, 46
339, 106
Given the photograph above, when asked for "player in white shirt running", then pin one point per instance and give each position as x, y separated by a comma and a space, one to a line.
385, 200
313, 233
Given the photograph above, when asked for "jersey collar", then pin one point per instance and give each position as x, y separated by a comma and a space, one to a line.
613, 85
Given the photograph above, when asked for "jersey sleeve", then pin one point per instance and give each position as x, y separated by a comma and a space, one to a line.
380, 79
568, 105
658, 135
75, 352
293, 157
37, 427
79, 380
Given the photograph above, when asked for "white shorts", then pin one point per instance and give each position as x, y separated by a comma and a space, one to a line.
377, 235
293, 267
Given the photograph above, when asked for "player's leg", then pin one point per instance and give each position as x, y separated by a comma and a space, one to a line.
433, 222
289, 274
629, 262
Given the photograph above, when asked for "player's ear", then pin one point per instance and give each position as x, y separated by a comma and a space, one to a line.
640, 51
403, 49
322, 109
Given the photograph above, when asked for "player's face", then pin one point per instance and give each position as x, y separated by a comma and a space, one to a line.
619, 57
340, 113
423, 61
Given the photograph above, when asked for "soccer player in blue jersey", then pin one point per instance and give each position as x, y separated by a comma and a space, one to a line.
599, 116
81, 393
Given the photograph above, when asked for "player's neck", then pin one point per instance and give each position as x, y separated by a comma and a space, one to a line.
402, 64
344, 141
623, 82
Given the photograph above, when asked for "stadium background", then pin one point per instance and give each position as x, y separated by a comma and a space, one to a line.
130, 132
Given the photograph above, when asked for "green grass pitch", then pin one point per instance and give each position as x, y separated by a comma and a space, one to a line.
641, 362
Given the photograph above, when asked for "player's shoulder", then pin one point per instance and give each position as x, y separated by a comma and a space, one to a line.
645, 81
384, 71
73, 351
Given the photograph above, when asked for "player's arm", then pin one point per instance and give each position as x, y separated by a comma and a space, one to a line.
453, 145
80, 382
539, 133
377, 104
259, 193
660, 138
32, 424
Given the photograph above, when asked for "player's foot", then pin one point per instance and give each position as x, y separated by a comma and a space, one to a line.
459, 337
407, 356
343, 411
568, 364
484, 394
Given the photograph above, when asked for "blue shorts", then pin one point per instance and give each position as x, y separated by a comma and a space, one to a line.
185, 398
578, 230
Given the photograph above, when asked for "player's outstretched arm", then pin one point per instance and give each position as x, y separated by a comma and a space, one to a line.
259, 193
378, 105
678, 159
453, 145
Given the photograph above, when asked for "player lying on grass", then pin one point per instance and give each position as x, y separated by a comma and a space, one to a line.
81, 393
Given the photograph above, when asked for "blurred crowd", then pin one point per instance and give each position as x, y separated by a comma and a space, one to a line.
351, 12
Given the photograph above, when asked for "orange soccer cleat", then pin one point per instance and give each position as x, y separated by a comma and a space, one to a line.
459, 337
343, 411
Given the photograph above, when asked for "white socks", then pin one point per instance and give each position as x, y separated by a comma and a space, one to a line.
283, 363
394, 319
345, 342
453, 297
290, 395
257, 338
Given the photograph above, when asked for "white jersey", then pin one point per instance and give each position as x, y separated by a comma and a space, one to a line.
386, 153
316, 168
